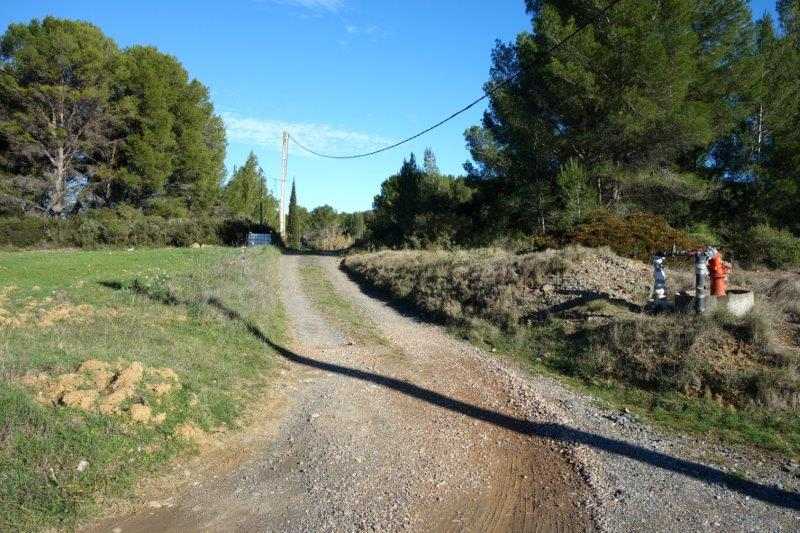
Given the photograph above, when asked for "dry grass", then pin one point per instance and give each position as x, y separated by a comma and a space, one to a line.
503, 288
737, 362
786, 293
574, 311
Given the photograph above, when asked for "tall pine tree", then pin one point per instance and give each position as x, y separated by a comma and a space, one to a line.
641, 87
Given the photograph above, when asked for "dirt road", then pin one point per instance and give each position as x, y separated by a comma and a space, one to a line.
378, 437
414, 430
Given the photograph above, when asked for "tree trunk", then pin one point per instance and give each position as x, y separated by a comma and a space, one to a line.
760, 130
59, 184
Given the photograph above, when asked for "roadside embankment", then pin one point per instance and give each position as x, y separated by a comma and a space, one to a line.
578, 313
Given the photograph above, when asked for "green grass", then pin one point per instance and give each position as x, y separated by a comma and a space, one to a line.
340, 311
220, 365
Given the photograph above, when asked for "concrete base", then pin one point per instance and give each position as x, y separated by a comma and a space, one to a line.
737, 302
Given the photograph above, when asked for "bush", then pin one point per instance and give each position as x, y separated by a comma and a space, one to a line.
765, 245
719, 355
168, 208
637, 235
704, 234
23, 232
122, 228
233, 231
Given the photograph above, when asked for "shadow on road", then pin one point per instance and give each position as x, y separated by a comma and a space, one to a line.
553, 431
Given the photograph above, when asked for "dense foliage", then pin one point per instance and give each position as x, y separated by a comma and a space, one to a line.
246, 194
419, 207
686, 110
121, 228
85, 124
107, 146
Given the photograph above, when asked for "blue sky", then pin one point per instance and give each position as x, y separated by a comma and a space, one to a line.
341, 75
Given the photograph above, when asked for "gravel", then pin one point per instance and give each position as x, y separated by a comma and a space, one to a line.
642, 479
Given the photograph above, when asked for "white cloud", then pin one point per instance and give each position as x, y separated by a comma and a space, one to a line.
369, 30
319, 137
314, 5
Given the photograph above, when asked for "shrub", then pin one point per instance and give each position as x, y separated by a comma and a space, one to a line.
733, 361
233, 231
765, 245
23, 232
88, 233
637, 235
704, 234
786, 294
122, 227
168, 208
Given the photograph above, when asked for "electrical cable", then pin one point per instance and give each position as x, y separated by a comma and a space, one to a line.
464, 109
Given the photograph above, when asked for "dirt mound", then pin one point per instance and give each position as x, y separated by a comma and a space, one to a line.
81, 399
99, 371
41, 312
503, 287
140, 413
108, 388
63, 313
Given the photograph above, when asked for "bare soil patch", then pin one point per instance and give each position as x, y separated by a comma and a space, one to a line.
109, 388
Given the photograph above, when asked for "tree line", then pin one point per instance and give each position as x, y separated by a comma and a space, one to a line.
88, 128
322, 228
687, 110
86, 125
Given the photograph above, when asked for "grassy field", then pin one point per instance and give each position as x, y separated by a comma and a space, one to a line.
112, 363
736, 380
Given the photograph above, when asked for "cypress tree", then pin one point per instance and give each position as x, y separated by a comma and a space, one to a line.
293, 229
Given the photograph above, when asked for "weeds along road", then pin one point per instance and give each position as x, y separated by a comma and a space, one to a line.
383, 422
364, 441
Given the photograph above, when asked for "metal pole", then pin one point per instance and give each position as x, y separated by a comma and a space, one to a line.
701, 277
284, 171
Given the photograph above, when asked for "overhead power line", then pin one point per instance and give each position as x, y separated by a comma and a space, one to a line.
484, 96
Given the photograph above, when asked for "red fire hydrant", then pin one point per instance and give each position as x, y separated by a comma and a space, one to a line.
718, 271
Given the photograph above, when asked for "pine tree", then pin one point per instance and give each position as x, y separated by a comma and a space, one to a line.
789, 14
56, 84
246, 193
429, 162
294, 230
647, 86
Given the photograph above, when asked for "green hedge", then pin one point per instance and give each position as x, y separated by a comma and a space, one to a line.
121, 229
765, 245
